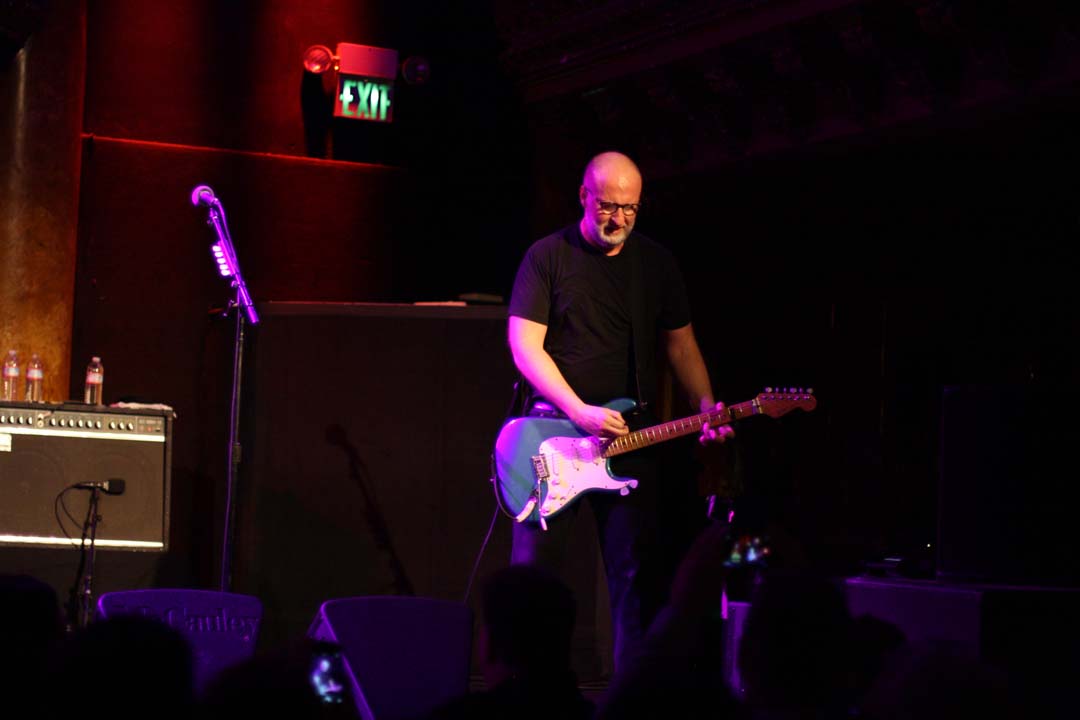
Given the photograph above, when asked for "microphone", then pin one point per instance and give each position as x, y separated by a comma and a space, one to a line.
112, 486
204, 195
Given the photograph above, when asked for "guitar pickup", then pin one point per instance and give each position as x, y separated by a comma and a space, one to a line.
540, 467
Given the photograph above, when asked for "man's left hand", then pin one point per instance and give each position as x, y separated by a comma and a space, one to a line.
718, 433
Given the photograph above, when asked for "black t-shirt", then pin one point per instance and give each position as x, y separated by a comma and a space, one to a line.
584, 298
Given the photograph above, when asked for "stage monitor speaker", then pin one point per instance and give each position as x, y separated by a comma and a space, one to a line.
1031, 633
221, 628
404, 656
46, 449
1004, 484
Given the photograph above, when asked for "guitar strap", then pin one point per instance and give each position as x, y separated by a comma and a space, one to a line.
639, 355
519, 399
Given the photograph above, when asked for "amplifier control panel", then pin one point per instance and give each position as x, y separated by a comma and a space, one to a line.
70, 418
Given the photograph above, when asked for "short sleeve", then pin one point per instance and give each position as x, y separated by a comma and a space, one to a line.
675, 306
531, 296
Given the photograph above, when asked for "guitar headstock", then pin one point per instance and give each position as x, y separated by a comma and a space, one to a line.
775, 402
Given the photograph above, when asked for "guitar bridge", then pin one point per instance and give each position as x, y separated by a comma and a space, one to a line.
540, 467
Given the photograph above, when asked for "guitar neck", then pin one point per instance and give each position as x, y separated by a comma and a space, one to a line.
678, 428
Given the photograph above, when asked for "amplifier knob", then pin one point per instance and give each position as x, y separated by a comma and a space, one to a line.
80, 423
52, 421
112, 424
98, 424
131, 426
19, 420
3, 418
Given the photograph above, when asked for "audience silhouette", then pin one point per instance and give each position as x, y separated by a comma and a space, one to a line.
928, 681
801, 655
796, 657
290, 681
679, 672
527, 622
125, 667
31, 629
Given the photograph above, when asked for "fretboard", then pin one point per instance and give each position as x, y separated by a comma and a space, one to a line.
677, 428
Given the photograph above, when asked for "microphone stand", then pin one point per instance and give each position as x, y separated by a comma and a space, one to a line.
228, 266
233, 449
86, 594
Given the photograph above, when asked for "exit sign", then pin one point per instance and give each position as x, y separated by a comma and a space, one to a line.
365, 87
364, 99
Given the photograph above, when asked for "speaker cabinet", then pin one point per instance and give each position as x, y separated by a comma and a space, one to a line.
1006, 479
45, 450
367, 454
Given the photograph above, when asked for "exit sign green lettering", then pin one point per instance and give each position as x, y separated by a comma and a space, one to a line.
364, 99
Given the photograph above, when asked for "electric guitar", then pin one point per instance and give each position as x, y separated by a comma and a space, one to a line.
543, 464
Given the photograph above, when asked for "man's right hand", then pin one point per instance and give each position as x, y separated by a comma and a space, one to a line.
600, 421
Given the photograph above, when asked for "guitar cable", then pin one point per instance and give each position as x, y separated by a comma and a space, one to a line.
483, 547
516, 408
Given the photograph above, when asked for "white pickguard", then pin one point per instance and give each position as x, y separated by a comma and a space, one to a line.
575, 465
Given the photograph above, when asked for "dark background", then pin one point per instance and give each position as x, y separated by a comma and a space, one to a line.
873, 199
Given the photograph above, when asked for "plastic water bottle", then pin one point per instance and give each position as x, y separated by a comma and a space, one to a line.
35, 380
9, 389
95, 379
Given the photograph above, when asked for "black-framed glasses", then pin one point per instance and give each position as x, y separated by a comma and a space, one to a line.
609, 208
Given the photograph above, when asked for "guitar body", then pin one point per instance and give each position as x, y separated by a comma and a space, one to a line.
543, 464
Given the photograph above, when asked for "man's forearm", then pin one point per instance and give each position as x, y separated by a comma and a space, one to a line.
527, 346
689, 368
540, 370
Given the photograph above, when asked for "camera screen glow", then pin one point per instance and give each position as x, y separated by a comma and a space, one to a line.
325, 681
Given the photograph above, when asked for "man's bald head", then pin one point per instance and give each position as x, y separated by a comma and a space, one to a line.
612, 167
610, 177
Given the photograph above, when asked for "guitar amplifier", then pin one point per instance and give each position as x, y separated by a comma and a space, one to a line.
46, 449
